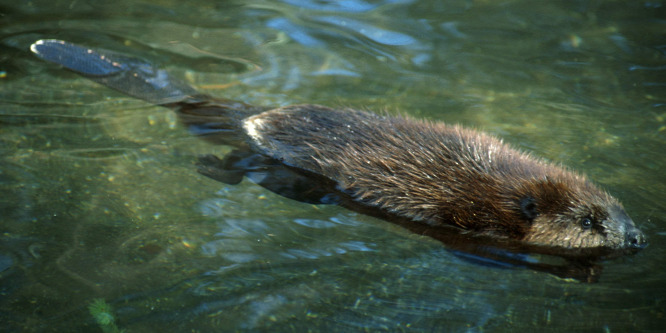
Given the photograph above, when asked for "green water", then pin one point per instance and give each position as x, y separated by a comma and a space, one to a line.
101, 200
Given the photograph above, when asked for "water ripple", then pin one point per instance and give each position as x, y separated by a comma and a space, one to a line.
376, 34
295, 32
345, 6
314, 223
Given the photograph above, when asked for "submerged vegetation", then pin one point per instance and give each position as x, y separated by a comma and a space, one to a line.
101, 311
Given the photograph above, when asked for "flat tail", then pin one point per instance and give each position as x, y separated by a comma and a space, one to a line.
128, 75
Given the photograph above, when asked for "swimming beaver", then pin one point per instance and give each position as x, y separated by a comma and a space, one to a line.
427, 173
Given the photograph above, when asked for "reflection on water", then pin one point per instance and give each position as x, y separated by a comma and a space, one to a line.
101, 199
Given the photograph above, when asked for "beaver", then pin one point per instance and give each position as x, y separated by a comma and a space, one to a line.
427, 173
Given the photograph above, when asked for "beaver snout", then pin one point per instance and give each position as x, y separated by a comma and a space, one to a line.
635, 239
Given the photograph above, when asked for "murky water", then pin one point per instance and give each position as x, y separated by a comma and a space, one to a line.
101, 200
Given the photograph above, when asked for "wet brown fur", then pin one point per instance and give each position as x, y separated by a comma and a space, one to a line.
441, 174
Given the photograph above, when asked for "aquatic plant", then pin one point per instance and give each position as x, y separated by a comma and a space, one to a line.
101, 311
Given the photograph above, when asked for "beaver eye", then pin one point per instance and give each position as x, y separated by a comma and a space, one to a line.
586, 223
528, 207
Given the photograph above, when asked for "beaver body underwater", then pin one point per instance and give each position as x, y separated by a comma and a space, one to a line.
429, 174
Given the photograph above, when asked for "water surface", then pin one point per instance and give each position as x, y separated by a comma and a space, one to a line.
101, 199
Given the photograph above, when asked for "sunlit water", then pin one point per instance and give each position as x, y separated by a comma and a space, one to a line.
101, 200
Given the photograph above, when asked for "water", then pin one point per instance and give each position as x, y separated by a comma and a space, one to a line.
101, 199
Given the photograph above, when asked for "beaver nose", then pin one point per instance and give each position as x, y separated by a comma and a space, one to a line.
636, 239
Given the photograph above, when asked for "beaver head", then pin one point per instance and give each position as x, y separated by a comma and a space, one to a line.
570, 212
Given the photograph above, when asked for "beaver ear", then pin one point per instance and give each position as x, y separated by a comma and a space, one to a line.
528, 208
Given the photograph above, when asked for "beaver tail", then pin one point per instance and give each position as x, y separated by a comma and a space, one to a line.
216, 120
131, 76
